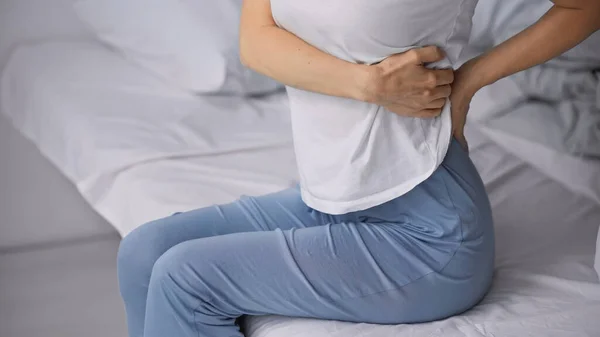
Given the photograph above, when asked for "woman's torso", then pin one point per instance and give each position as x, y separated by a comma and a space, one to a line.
354, 155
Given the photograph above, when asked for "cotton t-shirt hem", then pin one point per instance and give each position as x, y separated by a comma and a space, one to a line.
344, 207
361, 204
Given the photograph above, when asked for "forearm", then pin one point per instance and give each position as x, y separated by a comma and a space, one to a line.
278, 54
559, 30
400, 83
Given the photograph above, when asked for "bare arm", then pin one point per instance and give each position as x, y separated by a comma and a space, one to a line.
565, 25
400, 83
281, 55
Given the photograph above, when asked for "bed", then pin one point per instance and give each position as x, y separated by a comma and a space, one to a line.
137, 149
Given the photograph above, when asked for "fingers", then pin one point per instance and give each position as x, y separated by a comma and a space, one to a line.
426, 54
440, 92
435, 78
437, 104
443, 76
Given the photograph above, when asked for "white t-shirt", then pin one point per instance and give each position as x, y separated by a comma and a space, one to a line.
354, 155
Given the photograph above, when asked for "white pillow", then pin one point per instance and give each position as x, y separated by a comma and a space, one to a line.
192, 44
33, 21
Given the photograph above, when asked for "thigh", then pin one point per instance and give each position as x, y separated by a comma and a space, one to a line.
449, 206
281, 210
350, 272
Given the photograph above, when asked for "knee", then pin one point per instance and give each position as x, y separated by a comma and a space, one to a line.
138, 252
186, 280
179, 272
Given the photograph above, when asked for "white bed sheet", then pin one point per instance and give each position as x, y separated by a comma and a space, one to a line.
138, 150
97, 116
524, 128
544, 284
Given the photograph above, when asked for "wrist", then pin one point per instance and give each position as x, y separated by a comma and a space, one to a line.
367, 81
479, 74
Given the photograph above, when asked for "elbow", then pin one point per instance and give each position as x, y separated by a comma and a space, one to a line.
251, 42
244, 57
595, 18
246, 53
594, 12
244, 61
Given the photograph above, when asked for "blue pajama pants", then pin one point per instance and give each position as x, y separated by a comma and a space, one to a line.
424, 256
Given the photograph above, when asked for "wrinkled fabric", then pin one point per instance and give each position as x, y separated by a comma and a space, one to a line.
424, 256
355, 155
556, 104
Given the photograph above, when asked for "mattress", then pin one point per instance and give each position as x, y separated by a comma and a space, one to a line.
137, 150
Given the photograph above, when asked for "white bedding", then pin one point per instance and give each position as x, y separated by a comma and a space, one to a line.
32, 21
96, 116
544, 284
138, 150
556, 104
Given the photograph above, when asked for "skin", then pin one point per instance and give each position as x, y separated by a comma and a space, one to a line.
401, 83
565, 25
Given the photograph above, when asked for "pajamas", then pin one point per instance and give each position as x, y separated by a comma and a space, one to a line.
424, 256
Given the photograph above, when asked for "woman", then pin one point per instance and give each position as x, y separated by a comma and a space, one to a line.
391, 223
